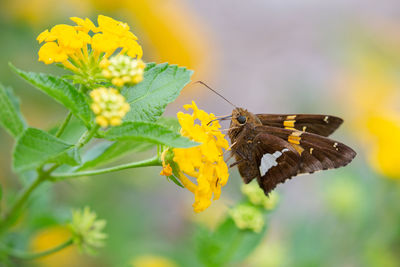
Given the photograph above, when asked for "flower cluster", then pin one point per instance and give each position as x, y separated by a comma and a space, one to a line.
204, 162
86, 230
257, 197
65, 42
109, 106
247, 217
122, 69
81, 48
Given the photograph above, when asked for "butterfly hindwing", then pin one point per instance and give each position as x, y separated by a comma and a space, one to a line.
318, 124
276, 159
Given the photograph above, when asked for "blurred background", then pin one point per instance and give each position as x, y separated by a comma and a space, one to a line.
339, 57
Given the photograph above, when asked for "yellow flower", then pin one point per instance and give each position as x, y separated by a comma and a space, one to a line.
167, 170
204, 162
49, 238
122, 70
372, 90
109, 106
81, 48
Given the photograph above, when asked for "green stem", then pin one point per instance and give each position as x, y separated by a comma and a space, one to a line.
8, 218
42, 176
31, 256
87, 136
60, 130
155, 161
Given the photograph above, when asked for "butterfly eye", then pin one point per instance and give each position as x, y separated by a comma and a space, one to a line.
241, 119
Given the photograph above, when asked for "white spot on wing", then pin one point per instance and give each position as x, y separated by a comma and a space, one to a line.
269, 160
326, 119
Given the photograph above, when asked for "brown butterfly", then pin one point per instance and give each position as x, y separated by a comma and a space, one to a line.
275, 147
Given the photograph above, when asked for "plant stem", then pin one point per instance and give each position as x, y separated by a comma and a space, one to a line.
42, 176
87, 136
60, 130
8, 218
31, 256
155, 161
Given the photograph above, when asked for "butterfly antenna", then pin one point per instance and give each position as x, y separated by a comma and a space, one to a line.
219, 119
216, 92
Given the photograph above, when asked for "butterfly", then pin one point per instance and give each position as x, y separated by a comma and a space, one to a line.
274, 147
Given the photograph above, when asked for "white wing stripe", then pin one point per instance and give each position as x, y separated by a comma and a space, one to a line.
269, 160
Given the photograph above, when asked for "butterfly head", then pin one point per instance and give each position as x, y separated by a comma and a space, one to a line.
242, 118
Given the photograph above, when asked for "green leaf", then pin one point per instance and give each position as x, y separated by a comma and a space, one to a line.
150, 132
69, 157
107, 152
35, 147
227, 244
170, 122
161, 85
10, 116
62, 91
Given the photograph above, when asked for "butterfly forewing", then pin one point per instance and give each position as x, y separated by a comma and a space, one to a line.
318, 124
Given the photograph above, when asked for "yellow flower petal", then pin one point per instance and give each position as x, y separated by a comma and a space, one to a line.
204, 162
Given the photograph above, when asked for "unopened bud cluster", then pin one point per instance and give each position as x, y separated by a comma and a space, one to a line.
122, 69
109, 106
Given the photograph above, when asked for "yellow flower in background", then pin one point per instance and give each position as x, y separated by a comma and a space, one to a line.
152, 261
80, 48
109, 106
122, 70
204, 162
50, 238
374, 101
384, 144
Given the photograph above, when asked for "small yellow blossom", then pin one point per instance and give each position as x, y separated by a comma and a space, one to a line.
80, 48
204, 162
167, 170
109, 106
257, 197
247, 217
122, 69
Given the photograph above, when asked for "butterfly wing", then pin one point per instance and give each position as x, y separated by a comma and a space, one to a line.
276, 159
318, 124
316, 152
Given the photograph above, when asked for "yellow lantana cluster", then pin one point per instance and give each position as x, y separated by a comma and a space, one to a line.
76, 46
204, 162
109, 106
123, 69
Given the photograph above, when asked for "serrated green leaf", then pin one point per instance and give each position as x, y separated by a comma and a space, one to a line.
107, 152
161, 85
61, 90
35, 147
10, 116
149, 132
170, 122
